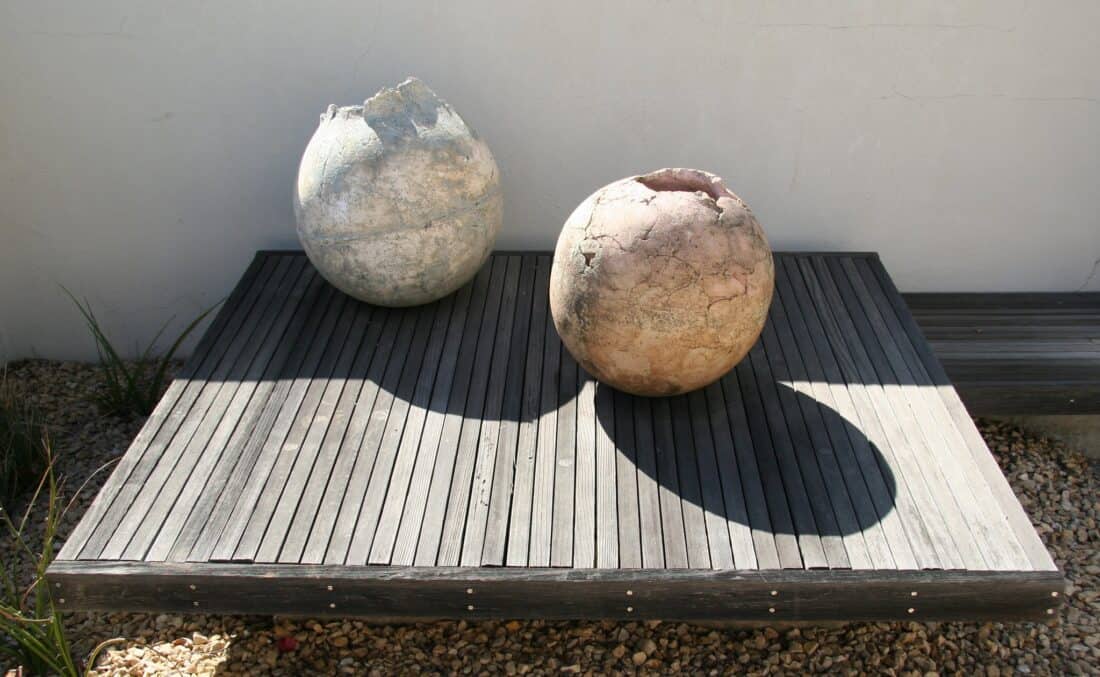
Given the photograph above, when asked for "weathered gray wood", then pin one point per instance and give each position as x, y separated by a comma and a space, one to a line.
565, 464
477, 510
504, 468
255, 423
871, 499
542, 500
649, 492
710, 483
410, 362
1025, 534
454, 524
486, 592
207, 352
369, 367
691, 495
775, 458
817, 448
277, 543
584, 497
626, 478
431, 527
752, 544
983, 516
877, 424
416, 498
253, 514
275, 460
433, 383
909, 452
607, 509
141, 523
519, 519
672, 513
313, 428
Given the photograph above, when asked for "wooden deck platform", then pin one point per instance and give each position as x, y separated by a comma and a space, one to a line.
320, 456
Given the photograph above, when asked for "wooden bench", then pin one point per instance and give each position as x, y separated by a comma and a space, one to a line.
1016, 354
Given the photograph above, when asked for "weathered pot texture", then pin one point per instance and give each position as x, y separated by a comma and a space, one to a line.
661, 283
398, 201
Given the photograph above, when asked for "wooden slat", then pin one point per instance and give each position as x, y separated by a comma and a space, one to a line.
986, 521
871, 498
504, 468
414, 593
410, 362
477, 510
626, 478
752, 544
213, 504
565, 464
275, 503
954, 550
584, 497
542, 500
207, 352
880, 427
1025, 534
244, 535
194, 431
649, 493
434, 382
277, 544
519, 520
607, 509
416, 497
273, 457
431, 525
668, 479
820, 446
450, 545
691, 495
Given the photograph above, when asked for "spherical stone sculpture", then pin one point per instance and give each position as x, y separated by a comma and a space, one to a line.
661, 283
398, 201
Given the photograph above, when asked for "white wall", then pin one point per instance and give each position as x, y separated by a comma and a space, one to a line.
147, 148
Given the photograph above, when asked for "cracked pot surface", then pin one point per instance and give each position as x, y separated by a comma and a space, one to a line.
398, 201
661, 283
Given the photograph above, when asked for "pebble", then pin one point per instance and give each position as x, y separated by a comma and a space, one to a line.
1058, 487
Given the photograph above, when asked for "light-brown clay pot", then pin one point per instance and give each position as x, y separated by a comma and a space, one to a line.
661, 283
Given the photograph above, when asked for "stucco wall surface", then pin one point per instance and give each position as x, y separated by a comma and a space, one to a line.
147, 149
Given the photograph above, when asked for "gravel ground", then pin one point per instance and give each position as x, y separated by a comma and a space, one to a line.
1058, 487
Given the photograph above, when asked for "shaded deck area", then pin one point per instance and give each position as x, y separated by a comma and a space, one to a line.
321, 456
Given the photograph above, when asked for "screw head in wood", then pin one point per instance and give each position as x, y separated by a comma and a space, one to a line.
911, 610
913, 594
329, 588
629, 593
469, 607
469, 591
332, 605
62, 600
1050, 612
1054, 594
195, 603
192, 586
630, 609
58, 585
775, 593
